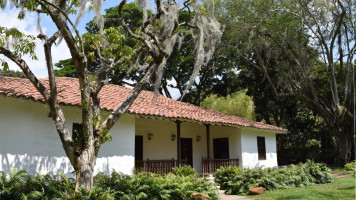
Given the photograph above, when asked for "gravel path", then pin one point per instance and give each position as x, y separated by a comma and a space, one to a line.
339, 174
223, 196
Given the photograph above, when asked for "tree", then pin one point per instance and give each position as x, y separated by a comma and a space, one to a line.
299, 42
133, 17
179, 65
66, 68
307, 136
12, 73
154, 41
238, 104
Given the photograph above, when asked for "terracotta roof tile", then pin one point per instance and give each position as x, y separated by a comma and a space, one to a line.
112, 97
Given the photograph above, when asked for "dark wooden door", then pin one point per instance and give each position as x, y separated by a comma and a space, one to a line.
221, 148
138, 147
186, 147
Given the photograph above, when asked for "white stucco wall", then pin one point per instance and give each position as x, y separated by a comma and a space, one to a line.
234, 135
192, 130
28, 139
249, 148
162, 147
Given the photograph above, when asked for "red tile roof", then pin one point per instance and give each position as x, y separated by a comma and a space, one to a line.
113, 95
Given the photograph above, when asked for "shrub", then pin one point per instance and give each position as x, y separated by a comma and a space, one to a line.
351, 168
153, 186
237, 181
20, 185
224, 174
96, 193
185, 171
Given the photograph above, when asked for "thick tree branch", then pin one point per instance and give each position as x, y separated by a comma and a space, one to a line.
27, 71
42, 2
115, 115
143, 40
56, 112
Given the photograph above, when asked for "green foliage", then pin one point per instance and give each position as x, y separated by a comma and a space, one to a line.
237, 181
20, 185
66, 68
238, 104
153, 186
96, 193
269, 40
19, 43
115, 50
224, 174
351, 168
185, 171
119, 48
11, 73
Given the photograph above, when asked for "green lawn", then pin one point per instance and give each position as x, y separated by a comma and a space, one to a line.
341, 189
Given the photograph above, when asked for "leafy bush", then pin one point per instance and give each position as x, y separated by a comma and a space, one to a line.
153, 186
20, 185
96, 193
351, 168
237, 181
224, 174
185, 171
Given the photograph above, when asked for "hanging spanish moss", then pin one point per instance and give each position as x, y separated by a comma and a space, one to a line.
143, 4
39, 28
81, 11
209, 34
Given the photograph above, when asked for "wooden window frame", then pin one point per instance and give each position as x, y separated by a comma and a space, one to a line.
261, 148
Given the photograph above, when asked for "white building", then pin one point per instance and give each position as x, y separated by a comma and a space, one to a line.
152, 136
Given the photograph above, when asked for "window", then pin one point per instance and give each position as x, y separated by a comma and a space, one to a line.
77, 128
221, 148
261, 147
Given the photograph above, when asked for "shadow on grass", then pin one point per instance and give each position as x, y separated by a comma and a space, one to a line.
291, 197
347, 188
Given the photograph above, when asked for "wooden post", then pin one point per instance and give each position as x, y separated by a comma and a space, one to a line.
207, 126
178, 141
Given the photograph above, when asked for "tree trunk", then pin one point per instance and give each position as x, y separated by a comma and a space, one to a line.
84, 168
344, 138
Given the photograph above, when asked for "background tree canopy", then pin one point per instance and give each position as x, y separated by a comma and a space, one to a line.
216, 77
238, 104
295, 59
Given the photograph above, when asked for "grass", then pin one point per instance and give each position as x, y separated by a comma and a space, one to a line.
342, 188
337, 169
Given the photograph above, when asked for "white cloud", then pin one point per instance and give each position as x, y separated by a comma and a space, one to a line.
29, 26
173, 91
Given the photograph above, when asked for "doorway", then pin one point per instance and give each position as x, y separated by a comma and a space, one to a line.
186, 146
138, 147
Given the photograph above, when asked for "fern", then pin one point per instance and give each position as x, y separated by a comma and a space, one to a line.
237, 181
20, 185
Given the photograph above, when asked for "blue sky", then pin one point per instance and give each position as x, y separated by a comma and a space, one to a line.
8, 18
